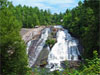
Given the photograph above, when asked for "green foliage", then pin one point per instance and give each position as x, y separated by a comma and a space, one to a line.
50, 42
30, 17
91, 67
41, 71
12, 48
82, 21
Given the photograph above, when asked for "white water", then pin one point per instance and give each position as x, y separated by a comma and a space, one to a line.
65, 49
39, 46
28, 45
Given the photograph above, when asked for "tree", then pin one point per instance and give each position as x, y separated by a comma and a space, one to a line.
12, 48
95, 6
82, 21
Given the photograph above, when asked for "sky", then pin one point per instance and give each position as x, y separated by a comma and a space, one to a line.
55, 6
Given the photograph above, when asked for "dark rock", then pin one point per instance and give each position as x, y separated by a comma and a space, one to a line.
42, 58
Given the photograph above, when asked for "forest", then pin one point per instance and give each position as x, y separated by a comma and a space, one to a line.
81, 21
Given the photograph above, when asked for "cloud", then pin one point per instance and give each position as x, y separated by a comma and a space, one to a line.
54, 5
49, 1
60, 1
42, 6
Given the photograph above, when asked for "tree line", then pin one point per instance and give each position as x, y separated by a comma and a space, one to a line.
30, 17
83, 22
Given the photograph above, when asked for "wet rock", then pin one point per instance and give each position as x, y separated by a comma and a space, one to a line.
74, 64
42, 58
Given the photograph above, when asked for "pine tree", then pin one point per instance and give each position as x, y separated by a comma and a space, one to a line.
12, 48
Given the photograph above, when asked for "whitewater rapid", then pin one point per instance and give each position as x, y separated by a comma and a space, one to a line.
65, 49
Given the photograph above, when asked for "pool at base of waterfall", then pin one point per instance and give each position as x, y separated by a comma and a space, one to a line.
65, 49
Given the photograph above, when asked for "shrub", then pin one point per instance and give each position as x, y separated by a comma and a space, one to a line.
50, 42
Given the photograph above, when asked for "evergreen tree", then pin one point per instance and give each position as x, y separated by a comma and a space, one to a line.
12, 48
83, 23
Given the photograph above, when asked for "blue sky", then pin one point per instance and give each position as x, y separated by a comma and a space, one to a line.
55, 6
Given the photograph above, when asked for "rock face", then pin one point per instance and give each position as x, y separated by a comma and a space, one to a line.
37, 46
28, 34
42, 58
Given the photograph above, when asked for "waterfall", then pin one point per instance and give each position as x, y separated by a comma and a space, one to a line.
39, 46
65, 49
28, 46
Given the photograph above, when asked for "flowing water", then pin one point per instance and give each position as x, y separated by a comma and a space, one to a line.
28, 46
39, 46
66, 48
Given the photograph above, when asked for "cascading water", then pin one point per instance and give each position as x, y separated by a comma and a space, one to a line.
28, 45
65, 49
39, 46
